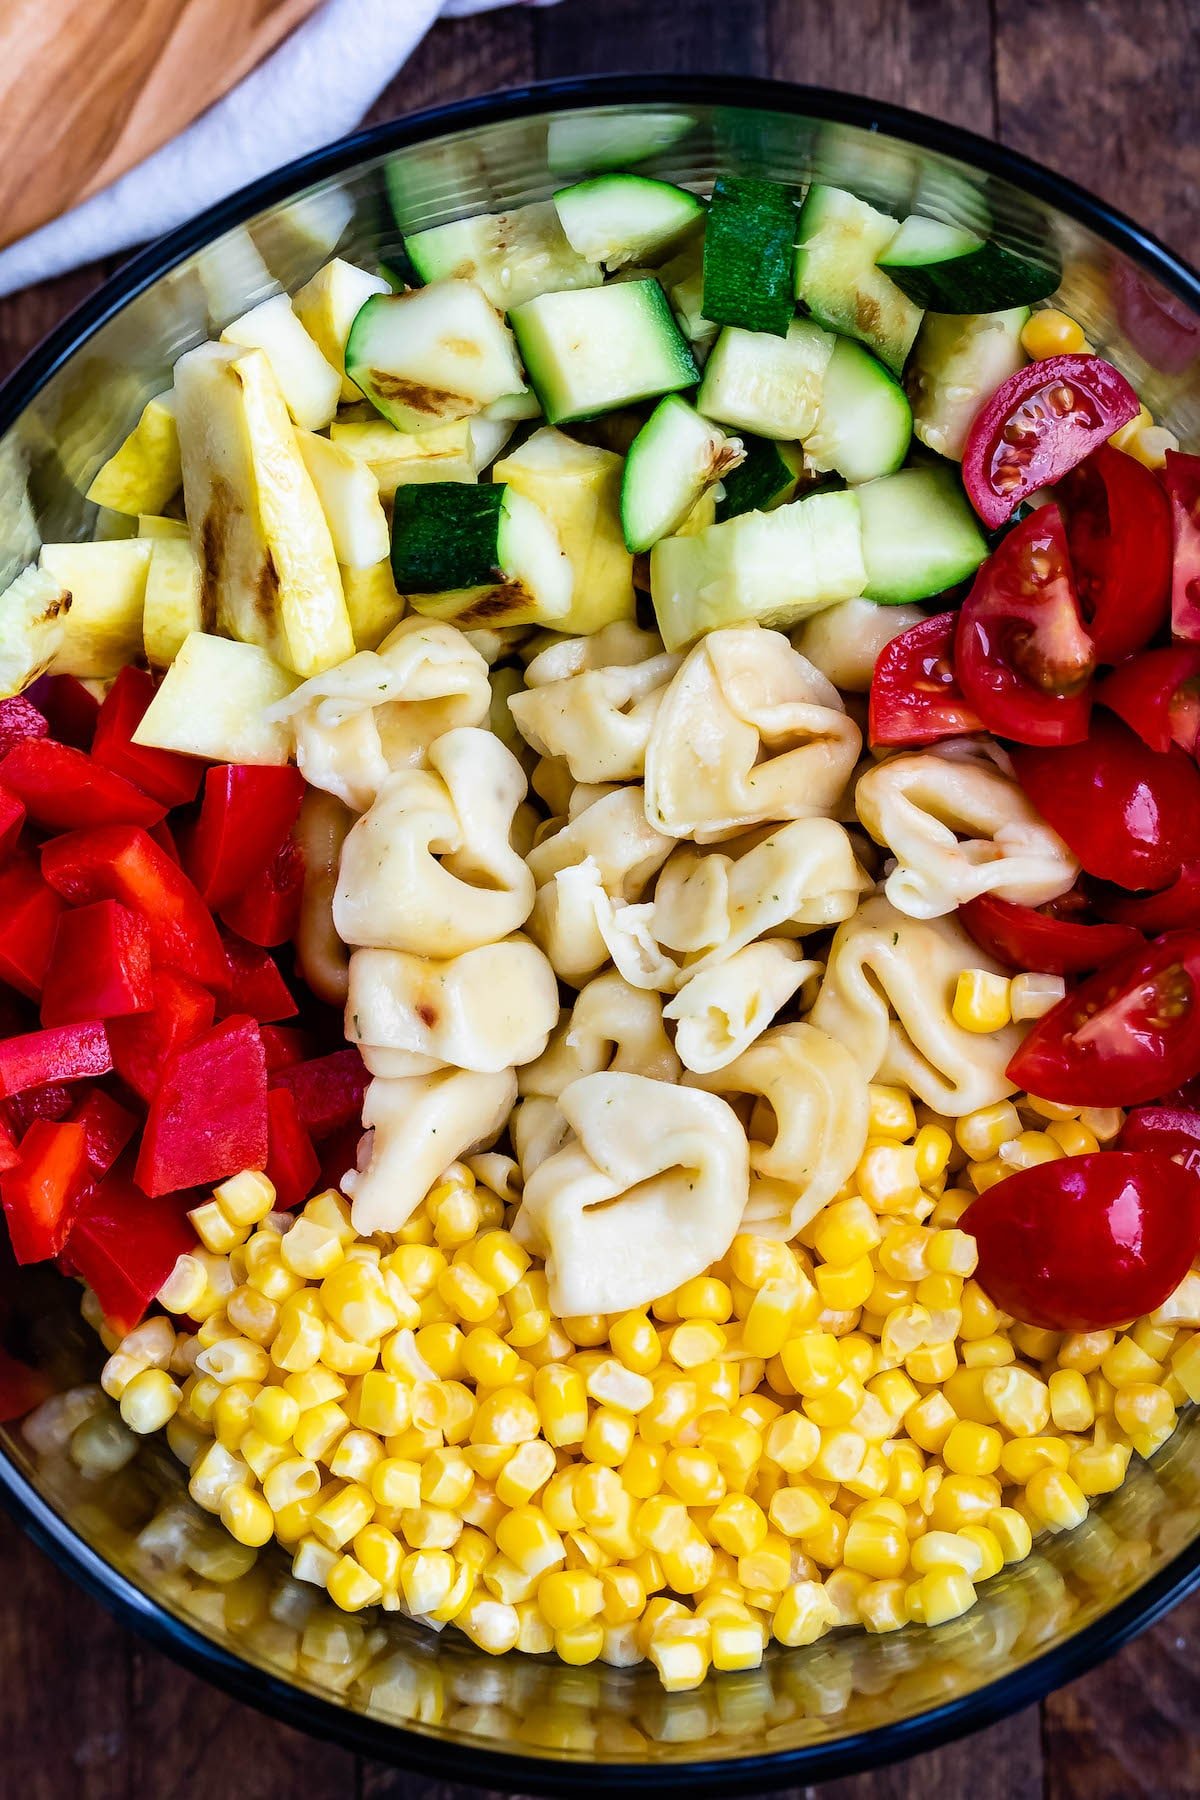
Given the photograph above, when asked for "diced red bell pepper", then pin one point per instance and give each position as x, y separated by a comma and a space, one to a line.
70, 709
40, 1195
267, 911
169, 776
124, 1245
21, 1388
208, 1117
328, 1091
255, 985
19, 719
292, 1164
29, 914
107, 1128
64, 1053
100, 965
12, 821
284, 1044
245, 815
10, 1153
164, 837
63, 788
339, 1153
142, 1042
53, 1101
122, 862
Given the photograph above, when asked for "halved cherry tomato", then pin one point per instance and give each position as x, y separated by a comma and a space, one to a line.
1038, 424
1027, 937
1130, 815
1087, 1242
1181, 478
1158, 696
1023, 658
1119, 532
1168, 910
1127, 1034
1172, 1130
915, 697
1159, 326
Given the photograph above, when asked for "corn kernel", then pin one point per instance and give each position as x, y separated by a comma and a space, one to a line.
569, 1597
805, 1613
982, 1001
1049, 332
149, 1400
350, 1587
1056, 1499
944, 1594
1070, 1402
982, 1132
184, 1286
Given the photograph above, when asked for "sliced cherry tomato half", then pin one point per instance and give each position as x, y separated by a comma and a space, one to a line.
1119, 531
915, 696
1130, 815
1038, 424
1181, 478
1027, 937
1172, 1130
1023, 658
1158, 696
1127, 1034
1169, 910
1088, 1242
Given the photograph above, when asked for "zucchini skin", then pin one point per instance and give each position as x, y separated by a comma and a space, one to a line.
444, 536
749, 255
989, 279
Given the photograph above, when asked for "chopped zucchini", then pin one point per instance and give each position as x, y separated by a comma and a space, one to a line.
838, 240
774, 568
749, 253
864, 426
578, 487
33, 616
174, 605
610, 138
958, 362
396, 458
952, 271
102, 630
426, 358
478, 556
349, 495
327, 307
310, 386
215, 701
620, 219
144, 473
765, 479
768, 385
601, 349
512, 408
674, 457
919, 535
372, 602
513, 256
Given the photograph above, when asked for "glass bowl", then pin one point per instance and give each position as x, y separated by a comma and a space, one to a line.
384, 1686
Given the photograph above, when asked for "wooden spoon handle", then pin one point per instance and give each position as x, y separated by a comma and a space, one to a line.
90, 87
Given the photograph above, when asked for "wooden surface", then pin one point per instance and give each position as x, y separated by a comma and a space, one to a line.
1104, 91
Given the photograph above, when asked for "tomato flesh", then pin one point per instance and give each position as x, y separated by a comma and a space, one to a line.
1026, 937
1119, 531
1181, 478
1023, 658
915, 696
1127, 1034
1172, 1130
1169, 910
1158, 696
1130, 815
1088, 1242
1038, 424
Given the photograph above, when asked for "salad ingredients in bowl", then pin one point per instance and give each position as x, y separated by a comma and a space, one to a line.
599, 926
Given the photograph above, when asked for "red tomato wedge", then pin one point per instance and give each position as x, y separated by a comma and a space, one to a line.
1038, 424
1181, 478
1027, 937
1087, 1242
1119, 531
1023, 658
1173, 1130
1168, 910
1158, 696
915, 696
1127, 1034
1130, 815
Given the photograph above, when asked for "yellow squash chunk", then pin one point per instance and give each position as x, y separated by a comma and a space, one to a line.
578, 487
349, 494
174, 603
397, 457
214, 700
33, 616
326, 306
155, 525
310, 385
144, 473
372, 602
107, 584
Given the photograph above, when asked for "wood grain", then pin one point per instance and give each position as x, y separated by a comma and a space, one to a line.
90, 87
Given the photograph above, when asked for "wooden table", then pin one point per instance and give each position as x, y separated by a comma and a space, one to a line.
1103, 91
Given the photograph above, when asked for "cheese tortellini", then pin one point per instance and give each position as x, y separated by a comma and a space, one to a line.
608, 848
720, 1011
593, 714
417, 1126
610, 1026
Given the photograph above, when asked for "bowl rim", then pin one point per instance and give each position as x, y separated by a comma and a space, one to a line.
294, 1705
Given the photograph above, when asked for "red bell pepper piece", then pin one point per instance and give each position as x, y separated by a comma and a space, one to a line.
292, 1164
107, 1128
10, 1153
100, 965
64, 1053
142, 1042
255, 985
267, 911
245, 815
70, 709
208, 1117
339, 1153
21, 1388
122, 862
63, 788
328, 1091
40, 1195
19, 719
54, 1101
125, 1245
169, 776
164, 837
12, 820
29, 915
284, 1044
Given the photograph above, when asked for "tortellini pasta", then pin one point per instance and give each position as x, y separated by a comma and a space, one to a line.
608, 845
844, 641
959, 827
610, 1026
489, 1009
647, 1190
748, 732
723, 1009
430, 867
417, 1127
596, 718
321, 831
887, 995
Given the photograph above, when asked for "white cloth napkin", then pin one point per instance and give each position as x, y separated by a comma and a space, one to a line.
315, 87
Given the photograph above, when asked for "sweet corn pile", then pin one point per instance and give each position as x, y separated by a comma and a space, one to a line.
839, 1431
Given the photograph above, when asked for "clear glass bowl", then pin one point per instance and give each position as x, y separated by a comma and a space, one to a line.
383, 1685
